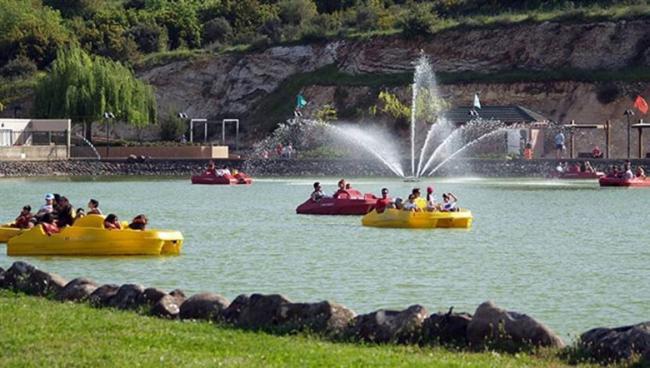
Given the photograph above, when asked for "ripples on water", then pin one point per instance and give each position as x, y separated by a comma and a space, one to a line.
569, 253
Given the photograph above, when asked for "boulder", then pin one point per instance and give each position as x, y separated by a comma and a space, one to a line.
77, 290
41, 283
608, 345
128, 296
166, 307
206, 306
102, 296
498, 328
232, 313
151, 296
179, 295
17, 276
263, 312
384, 326
324, 318
448, 329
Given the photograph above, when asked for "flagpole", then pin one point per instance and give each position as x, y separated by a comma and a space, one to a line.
627, 114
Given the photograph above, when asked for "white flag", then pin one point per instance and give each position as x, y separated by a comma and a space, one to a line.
477, 102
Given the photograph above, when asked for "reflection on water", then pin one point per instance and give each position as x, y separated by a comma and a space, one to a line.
567, 252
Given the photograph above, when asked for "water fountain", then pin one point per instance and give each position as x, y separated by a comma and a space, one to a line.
92, 146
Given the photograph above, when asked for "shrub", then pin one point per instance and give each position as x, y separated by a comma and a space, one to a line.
217, 29
419, 21
149, 37
172, 127
18, 67
296, 12
367, 18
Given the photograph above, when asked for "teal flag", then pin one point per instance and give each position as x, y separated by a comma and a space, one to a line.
300, 101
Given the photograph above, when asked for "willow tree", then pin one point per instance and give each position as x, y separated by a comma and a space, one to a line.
83, 88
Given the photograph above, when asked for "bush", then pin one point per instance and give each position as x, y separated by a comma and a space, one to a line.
217, 29
149, 37
297, 12
172, 127
18, 67
419, 21
367, 18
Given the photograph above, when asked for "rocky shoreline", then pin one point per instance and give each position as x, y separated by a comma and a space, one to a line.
490, 327
282, 167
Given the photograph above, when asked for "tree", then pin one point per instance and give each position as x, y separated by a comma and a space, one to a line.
83, 88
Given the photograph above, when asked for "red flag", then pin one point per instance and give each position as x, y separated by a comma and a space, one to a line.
641, 104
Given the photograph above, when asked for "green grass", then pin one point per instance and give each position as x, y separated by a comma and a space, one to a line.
36, 332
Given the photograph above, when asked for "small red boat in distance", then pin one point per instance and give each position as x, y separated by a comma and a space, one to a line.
351, 203
212, 179
608, 181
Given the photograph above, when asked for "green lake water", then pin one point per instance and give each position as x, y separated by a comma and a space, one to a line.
571, 254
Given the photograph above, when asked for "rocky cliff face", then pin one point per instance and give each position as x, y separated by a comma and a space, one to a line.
233, 85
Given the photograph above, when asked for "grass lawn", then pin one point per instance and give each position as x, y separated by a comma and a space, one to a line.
41, 333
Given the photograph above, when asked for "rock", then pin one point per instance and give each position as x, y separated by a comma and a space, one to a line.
151, 296
17, 275
41, 283
102, 296
324, 318
263, 312
384, 326
609, 345
206, 306
166, 307
507, 330
179, 295
231, 314
77, 290
448, 329
128, 296
2, 278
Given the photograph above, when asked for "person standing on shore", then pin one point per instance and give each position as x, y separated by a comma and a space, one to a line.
559, 145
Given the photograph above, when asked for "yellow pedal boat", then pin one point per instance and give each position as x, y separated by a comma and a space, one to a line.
88, 237
7, 232
418, 220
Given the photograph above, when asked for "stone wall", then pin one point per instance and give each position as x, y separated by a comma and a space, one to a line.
284, 167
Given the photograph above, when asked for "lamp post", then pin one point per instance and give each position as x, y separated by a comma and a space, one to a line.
108, 116
627, 114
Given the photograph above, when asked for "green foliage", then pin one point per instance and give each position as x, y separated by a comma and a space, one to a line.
20, 66
420, 21
326, 113
296, 12
217, 29
172, 127
392, 106
82, 88
75, 8
29, 29
150, 37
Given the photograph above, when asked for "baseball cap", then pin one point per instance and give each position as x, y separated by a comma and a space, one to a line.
49, 196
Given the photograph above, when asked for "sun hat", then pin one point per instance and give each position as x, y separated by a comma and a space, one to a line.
49, 196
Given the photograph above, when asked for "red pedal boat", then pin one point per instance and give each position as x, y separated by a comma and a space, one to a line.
606, 181
354, 203
213, 179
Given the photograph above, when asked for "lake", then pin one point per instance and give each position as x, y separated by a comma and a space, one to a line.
569, 253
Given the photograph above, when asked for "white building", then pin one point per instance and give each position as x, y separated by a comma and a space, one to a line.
34, 139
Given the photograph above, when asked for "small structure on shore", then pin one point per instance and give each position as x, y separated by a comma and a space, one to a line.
34, 139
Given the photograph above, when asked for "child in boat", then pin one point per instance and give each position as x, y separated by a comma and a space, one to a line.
317, 194
431, 200
49, 227
139, 222
211, 170
449, 202
24, 219
342, 191
420, 202
112, 223
410, 204
640, 173
93, 207
399, 204
383, 202
80, 213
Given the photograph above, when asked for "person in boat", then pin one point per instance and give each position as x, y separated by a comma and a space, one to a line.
341, 191
449, 201
399, 203
383, 202
66, 215
589, 168
317, 194
49, 227
431, 200
226, 172
628, 174
80, 213
48, 207
24, 219
93, 207
640, 173
112, 223
411, 204
596, 152
139, 222
419, 201
583, 167
211, 170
